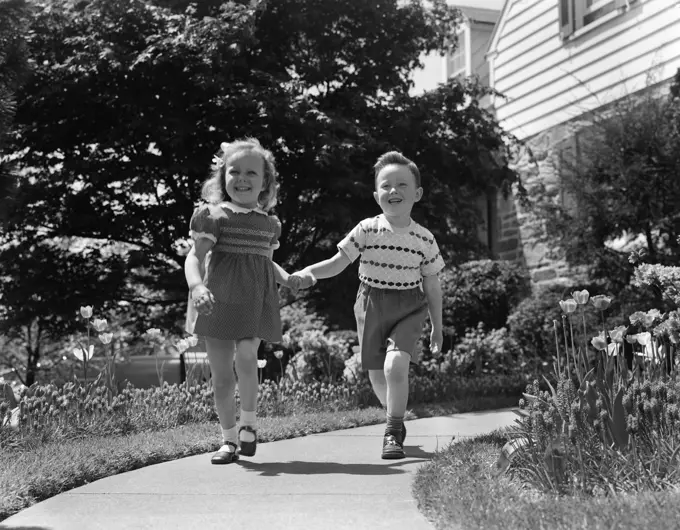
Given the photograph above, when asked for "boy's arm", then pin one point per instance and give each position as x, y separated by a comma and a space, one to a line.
328, 268
433, 291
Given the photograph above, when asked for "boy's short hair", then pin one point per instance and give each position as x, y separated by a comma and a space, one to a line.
396, 158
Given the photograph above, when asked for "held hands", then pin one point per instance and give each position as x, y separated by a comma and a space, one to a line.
436, 340
300, 280
203, 299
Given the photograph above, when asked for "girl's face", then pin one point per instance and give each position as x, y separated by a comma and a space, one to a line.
244, 178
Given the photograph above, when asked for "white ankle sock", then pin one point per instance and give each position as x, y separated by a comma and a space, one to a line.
229, 435
249, 419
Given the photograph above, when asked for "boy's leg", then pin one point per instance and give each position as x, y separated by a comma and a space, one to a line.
246, 368
221, 360
379, 384
396, 375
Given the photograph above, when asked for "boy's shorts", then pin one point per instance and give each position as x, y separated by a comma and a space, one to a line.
388, 319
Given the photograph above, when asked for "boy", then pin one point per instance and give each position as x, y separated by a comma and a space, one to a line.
399, 284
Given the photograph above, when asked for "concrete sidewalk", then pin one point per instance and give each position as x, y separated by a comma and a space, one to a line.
331, 481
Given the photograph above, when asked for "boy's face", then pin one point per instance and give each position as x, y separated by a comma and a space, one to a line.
396, 191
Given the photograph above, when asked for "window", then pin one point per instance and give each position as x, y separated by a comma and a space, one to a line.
576, 14
457, 62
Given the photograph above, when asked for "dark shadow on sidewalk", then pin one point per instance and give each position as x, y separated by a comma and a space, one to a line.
298, 467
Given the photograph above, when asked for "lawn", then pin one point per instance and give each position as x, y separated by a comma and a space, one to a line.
457, 489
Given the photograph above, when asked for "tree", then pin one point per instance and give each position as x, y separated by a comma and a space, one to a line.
129, 101
13, 69
623, 188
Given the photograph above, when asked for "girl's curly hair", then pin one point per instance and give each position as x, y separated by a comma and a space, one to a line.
214, 190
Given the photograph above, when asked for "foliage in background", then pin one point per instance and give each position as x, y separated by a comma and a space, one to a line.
128, 101
621, 188
483, 291
14, 67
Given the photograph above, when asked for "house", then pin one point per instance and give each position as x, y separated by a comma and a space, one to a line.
556, 61
479, 19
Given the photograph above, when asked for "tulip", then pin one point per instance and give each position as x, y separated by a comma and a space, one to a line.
581, 297
84, 355
599, 342
601, 301
568, 306
261, 363
192, 341
650, 316
613, 349
99, 324
182, 345
86, 311
153, 333
645, 338
632, 339
636, 317
278, 354
105, 337
617, 333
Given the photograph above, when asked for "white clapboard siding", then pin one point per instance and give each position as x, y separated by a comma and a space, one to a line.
547, 81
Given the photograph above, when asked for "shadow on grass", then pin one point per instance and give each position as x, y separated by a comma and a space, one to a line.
299, 467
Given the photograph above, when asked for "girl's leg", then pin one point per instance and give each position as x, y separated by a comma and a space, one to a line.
379, 384
221, 359
246, 368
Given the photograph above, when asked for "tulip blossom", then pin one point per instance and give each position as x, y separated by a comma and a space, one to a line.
182, 345
278, 354
568, 306
632, 339
261, 363
581, 297
105, 337
599, 342
617, 333
84, 355
636, 317
601, 301
153, 333
99, 324
86, 311
192, 341
650, 317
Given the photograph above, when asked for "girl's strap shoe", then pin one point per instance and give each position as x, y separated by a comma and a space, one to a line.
225, 457
247, 448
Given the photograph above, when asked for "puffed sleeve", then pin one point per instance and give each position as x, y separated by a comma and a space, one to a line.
204, 223
354, 243
433, 261
276, 226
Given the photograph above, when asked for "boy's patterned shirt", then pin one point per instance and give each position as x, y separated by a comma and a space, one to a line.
392, 257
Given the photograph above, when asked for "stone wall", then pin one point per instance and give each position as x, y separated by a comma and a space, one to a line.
519, 228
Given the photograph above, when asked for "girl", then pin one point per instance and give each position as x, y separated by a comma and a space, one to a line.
233, 290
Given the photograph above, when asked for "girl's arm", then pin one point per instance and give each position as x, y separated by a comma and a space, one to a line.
194, 271
433, 291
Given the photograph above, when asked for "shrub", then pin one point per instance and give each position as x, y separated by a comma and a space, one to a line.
481, 352
530, 324
480, 291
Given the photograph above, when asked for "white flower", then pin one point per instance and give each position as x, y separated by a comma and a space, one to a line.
278, 354
86, 311
99, 324
182, 345
84, 355
261, 363
153, 333
192, 341
105, 337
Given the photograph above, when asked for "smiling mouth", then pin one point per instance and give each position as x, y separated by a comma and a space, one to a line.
241, 188
394, 201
